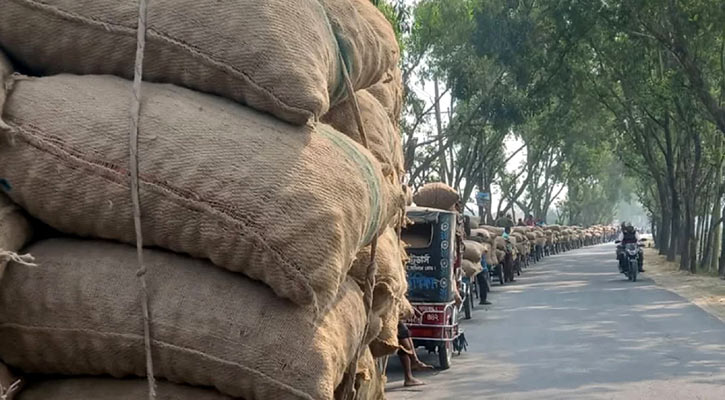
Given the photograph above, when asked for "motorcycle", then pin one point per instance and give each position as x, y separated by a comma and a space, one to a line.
629, 258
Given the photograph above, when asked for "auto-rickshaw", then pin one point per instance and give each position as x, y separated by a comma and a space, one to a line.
434, 275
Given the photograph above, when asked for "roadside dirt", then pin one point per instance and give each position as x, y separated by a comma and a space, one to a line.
707, 292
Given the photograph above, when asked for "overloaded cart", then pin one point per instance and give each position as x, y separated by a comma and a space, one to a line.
434, 277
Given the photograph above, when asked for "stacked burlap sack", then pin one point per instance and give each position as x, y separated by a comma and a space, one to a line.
488, 241
278, 210
521, 243
498, 243
473, 252
15, 231
437, 195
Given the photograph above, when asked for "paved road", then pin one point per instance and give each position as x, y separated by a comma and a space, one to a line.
573, 328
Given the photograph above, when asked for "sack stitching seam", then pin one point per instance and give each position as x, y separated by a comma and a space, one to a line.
71, 154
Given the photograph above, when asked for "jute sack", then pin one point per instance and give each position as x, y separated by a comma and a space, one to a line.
387, 341
482, 233
521, 249
408, 195
370, 384
473, 251
391, 282
389, 92
476, 239
275, 56
493, 230
290, 206
6, 69
383, 138
470, 268
79, 313
15, 232
365, 38
436, 195
112, 389
405, 309
490, 255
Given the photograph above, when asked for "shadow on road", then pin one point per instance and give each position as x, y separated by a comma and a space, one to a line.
571, 327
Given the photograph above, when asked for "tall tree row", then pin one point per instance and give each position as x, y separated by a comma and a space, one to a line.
605, 98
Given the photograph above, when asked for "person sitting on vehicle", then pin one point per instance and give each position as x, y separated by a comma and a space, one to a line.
505, 222
521, 222
629, 235
408, 357
530, 220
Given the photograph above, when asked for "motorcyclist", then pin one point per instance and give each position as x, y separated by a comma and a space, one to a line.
629, 235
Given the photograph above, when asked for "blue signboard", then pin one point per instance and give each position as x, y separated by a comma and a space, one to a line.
482, 198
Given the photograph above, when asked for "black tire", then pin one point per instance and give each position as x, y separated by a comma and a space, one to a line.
473, 292
633, 269
467, 304
445, 354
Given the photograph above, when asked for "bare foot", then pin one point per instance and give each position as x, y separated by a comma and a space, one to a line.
419, 366
413, 382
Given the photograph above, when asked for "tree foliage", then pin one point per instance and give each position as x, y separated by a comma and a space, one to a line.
608, 98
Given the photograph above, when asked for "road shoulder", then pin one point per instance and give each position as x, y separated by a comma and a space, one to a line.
707, 292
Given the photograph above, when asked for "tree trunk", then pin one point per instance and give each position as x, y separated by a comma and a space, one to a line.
702, 236
715, 237
721, 270
481, 209
684, 242
665, 224
439, 127
693, 255
674, 197
717, 225
675, 233
489, 212
663, 232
